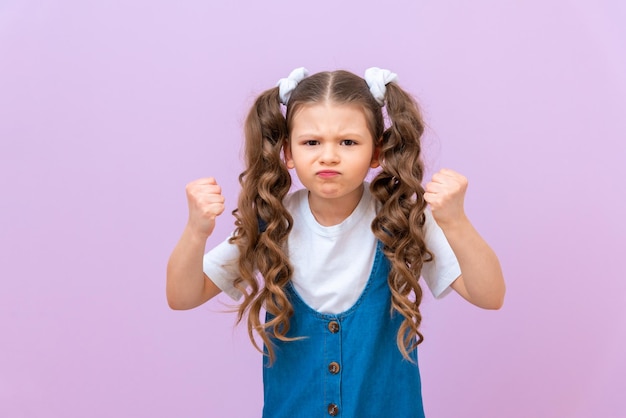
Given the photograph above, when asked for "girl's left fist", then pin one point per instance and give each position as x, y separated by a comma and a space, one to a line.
445, 193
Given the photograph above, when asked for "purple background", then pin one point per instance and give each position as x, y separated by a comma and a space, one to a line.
107, 110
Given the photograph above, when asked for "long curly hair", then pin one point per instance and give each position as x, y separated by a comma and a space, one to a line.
263, 224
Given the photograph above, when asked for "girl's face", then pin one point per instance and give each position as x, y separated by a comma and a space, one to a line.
332, 150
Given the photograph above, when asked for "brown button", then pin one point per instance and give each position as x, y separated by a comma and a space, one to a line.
333, 367
333, 409
333, 326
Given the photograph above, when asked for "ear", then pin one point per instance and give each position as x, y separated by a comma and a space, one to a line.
288, 157
375, 161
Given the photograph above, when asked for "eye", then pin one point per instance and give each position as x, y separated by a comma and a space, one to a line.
348, 142
310, 142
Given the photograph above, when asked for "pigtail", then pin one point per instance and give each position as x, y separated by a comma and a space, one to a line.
400, 221
263, 224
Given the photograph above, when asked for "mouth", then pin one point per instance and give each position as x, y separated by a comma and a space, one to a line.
327, 173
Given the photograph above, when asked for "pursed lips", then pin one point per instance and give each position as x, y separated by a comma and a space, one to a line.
327, 173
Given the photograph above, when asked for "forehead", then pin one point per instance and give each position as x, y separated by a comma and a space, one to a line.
329, 116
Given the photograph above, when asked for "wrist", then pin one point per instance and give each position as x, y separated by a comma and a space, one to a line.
196, 234
456, 224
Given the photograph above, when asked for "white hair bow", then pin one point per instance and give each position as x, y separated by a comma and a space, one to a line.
377, 79
286, 85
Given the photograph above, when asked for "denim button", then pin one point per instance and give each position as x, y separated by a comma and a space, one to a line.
333, 367
333, 326
333, 409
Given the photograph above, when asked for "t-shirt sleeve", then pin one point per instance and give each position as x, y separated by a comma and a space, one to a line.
444, 269
220, 265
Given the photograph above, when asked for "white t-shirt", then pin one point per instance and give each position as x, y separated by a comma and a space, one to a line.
333, 263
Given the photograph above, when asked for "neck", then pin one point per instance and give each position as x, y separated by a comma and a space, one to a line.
329, 212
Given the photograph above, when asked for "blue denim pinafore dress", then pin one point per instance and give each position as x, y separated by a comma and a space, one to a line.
348, 365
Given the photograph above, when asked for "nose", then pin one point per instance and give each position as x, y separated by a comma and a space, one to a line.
329, 154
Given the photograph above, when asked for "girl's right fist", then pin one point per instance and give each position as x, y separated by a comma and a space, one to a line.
205, 201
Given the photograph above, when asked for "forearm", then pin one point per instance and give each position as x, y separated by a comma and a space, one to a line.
482, 281
185, 285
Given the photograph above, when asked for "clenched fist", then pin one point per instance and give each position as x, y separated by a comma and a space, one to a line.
205, 201
445, 193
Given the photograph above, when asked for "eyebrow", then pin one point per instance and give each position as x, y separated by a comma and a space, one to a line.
342, 135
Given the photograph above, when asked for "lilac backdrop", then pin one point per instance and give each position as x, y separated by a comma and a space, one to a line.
107, 109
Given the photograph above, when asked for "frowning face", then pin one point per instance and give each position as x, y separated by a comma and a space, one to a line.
332, 150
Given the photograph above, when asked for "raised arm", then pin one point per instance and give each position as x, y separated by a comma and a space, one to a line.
481, 281
187, 286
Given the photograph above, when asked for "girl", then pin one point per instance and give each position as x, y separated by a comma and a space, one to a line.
336, 264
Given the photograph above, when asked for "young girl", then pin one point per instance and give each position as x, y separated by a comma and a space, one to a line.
336, 264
